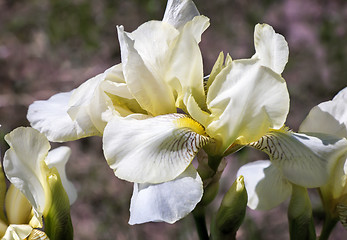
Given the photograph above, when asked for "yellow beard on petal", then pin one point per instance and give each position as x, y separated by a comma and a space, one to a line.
187, 122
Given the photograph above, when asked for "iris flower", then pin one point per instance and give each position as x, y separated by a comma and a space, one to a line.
30, 167
155, 111
312, 158
330, 118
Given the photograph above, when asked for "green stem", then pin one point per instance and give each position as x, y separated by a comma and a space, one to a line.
328, 226
214, 161
200, 222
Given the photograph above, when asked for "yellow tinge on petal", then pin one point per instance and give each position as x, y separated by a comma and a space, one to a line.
187, 122
17, 207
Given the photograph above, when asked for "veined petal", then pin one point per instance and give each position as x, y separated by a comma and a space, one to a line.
179, 12
265, 184
152, 150
17, 232
22, 164
52, 119
342, 212
271, 48
58, 158
186, 67
168, 201
144, 73
305, 160
245, 101
328, 117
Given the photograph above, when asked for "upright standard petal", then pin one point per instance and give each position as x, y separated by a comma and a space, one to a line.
246, 99
305, 160
58, 158
22, 164
271, 48
51, 118
328, 117
265, 184
179, 12
144, 65
152, 150
185, 73
168, 201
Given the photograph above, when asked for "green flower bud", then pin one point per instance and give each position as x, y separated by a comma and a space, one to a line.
231, 212
301, 226
57, 218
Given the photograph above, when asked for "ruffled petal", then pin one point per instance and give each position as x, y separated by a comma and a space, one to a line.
152, 150
271, 48
115, 84
186, 67
265, 184
52, 119
58, 158
166, 202
179, 12
305, 160
81, 100
328, 117
245, 101
22, 164
17, 232
149, 61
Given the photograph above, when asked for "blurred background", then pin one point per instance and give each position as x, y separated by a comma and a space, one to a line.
52, 46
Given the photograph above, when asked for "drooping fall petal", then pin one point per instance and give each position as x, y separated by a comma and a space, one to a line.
265, 184
52, 119
152, 150
168, 201
305, 160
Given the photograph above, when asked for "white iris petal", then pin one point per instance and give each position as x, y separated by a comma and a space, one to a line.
271, 48
266, 186
151, 150
168, 201
52, 119
305, 160
179, 12
329, 117
245, 101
